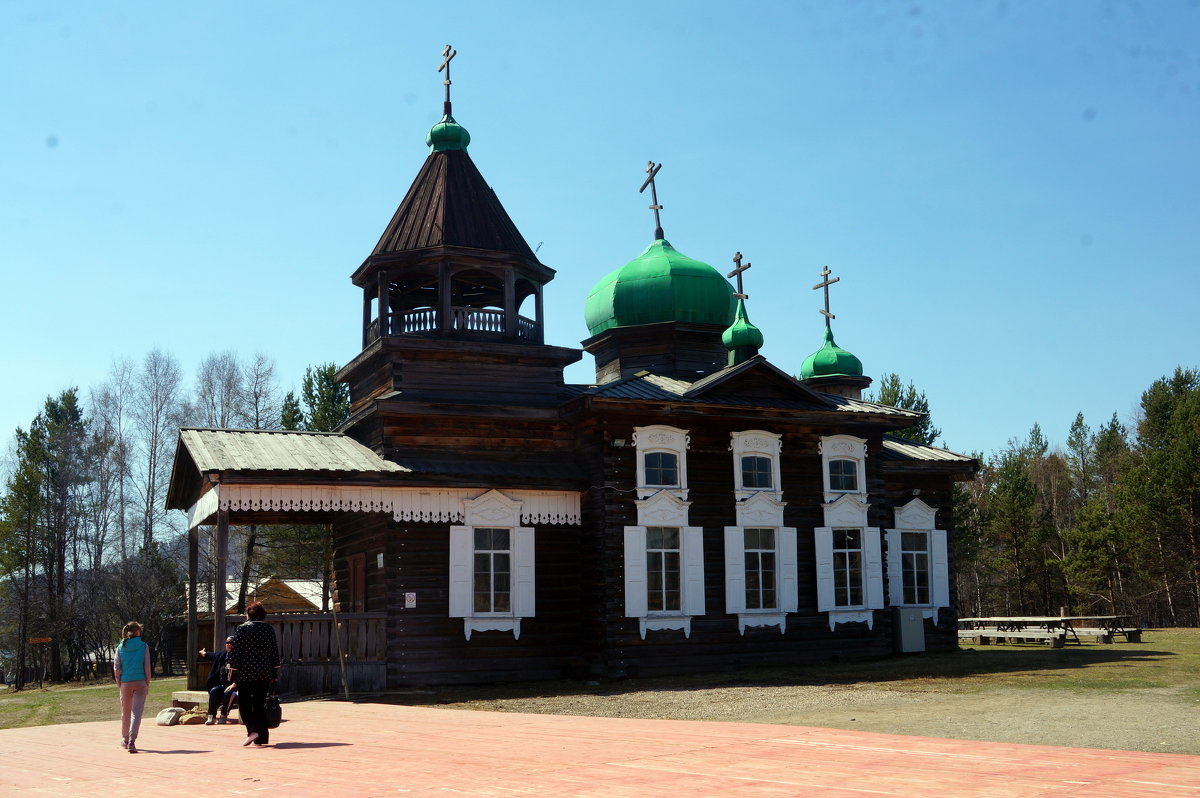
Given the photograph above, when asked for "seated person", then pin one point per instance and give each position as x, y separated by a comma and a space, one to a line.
220, 693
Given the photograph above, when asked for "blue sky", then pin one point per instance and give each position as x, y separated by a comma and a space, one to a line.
1009, 191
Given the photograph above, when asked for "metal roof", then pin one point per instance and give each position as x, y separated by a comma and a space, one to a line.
656, 387
276, 450
901, 449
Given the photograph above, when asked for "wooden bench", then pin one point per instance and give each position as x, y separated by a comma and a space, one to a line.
1106, 635
1055, 639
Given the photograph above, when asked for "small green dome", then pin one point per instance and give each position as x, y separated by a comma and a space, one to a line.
661, 284
447, 135
830, 361
742, 333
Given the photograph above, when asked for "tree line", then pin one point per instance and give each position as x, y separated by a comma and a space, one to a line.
1107, 524
86, 542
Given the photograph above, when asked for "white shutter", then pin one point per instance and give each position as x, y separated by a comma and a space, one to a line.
787, 561
735, 569
462, 567
635, 572
895, 568
523, 573
691, 540
939, 569
873, 567
823, 544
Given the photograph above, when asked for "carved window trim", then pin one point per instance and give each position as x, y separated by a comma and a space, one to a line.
660, 438
849, 448
755, 443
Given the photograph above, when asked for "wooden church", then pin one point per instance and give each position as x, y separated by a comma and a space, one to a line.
695, 508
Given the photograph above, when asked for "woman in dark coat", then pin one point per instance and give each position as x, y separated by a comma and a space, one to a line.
254, 667
218, 678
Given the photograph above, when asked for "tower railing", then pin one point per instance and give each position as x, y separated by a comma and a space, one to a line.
426, 320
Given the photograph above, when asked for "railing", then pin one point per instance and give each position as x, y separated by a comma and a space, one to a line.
308, 647
469, 319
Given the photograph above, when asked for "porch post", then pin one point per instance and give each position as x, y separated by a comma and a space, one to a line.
219, 634
193, 632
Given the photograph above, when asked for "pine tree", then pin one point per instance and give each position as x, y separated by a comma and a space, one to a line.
895, 393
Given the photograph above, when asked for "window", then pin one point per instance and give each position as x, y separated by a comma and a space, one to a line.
491, 566
662, 469
755, 463
661, 460
759, 552
662, 569
493, 570
914, 559
847, 567
664, 565
756, 472
918, 565
843, 475
843, 462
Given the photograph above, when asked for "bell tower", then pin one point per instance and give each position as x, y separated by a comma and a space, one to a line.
452, 307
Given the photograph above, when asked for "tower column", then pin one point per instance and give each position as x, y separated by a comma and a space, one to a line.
541, 334
510, 302
445, 298
385, 321
366, 321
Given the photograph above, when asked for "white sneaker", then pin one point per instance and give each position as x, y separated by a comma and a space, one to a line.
211, 720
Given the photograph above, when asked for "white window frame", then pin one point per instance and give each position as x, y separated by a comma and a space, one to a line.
917, 516
664, 439
761, 510
755, 443
664, 509
492, 509
844, 447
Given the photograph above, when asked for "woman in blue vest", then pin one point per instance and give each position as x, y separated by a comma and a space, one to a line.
131, 667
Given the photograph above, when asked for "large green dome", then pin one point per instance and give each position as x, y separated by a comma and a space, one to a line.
661, 284
830, 361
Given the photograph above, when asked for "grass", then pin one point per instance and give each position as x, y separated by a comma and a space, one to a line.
78, 703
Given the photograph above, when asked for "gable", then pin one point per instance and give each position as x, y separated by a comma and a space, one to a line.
755, 379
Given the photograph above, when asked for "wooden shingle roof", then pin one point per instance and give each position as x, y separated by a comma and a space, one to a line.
450, 204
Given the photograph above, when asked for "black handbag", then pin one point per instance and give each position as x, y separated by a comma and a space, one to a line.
273, 712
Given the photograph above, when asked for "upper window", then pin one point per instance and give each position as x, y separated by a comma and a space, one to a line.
756, 472
755, 462
661, 460
662, 469
843, 463
843, 475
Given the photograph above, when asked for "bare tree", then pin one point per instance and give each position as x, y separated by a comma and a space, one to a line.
159, 410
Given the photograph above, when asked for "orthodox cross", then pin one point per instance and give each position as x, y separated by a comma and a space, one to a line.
447, 55
652, 170
737, 272
827, 282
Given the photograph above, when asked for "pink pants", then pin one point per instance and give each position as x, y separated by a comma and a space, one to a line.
133, 699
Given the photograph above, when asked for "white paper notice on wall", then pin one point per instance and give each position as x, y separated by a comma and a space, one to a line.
379, 560
410, 600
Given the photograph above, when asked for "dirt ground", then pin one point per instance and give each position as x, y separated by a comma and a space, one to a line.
1145, 719
1162, 717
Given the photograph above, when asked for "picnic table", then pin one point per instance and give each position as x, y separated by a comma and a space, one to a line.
1052, 629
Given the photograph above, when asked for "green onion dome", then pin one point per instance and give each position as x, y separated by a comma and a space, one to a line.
742, 334
662, 284
830, 361
447, 135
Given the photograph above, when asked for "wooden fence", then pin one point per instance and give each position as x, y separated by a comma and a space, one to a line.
308, 646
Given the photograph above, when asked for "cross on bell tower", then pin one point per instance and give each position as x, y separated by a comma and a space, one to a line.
447, 56
825, 284
652, 171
